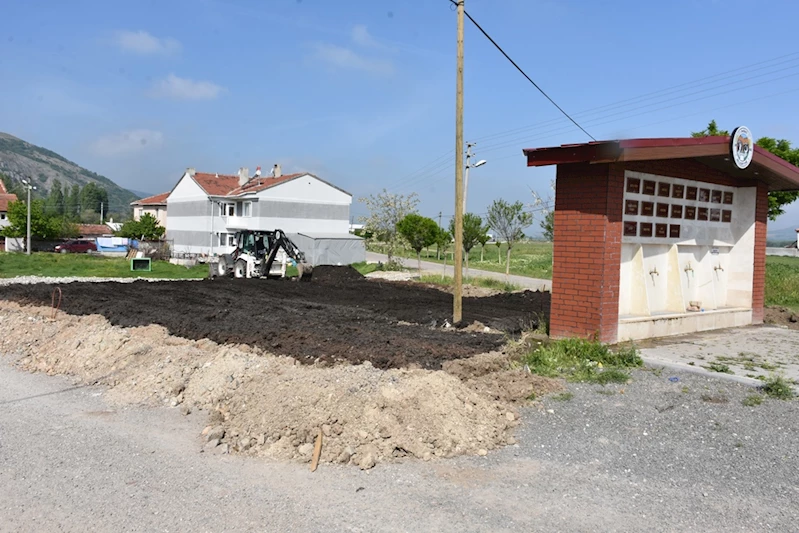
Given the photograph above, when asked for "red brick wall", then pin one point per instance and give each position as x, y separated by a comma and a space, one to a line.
587, 251
759, 273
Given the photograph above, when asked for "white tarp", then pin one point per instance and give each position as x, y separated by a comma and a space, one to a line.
331, 248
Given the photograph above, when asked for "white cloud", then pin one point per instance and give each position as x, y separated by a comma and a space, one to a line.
176, 88
141, 42
127, 142
339, 57
361, 36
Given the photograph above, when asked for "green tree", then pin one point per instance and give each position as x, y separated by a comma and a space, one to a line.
54, 204
779, 147
443, 240
548, 226
42, 226
72, 203
509, 221
93, 198
473, 231
385, 212
420, 232
146, 228
483, 241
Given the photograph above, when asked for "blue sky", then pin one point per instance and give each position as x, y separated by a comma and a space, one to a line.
361, 92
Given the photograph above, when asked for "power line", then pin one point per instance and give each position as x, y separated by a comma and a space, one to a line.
520, 70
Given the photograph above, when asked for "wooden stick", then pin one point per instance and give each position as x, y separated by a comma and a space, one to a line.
317, 451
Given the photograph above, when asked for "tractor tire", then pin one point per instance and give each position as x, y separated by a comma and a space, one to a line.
222, 268
240, 269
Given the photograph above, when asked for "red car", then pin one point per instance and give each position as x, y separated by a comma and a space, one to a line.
76, 247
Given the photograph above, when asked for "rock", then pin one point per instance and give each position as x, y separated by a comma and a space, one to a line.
326, 430
384, 433
185, 409
345, 456
337, 429
482, 452
510, 416
261, 439
244, 444
210, 445
794, 318
305, 450
367, 461
362, 434
222, 449
217, 432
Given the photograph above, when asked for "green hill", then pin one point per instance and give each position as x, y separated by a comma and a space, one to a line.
20, 160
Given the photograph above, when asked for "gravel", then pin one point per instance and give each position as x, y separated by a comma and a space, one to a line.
30, 280
657, 457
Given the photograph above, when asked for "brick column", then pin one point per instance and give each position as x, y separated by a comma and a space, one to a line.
587, 251
759, 270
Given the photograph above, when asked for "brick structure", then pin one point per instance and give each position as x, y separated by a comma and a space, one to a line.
589, 234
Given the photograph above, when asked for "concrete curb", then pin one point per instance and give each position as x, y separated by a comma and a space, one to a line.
698, 370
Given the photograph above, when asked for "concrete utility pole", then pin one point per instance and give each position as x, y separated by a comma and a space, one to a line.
30, 187
466, 174
457, 304
101, 212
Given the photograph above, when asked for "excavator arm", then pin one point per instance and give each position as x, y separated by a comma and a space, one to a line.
279, 241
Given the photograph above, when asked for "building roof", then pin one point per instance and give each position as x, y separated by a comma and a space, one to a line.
216, 184
158, 199
714, 152
6, 199
87, 230
261, 183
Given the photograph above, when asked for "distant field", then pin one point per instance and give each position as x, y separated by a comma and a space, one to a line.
86, 265
782, 281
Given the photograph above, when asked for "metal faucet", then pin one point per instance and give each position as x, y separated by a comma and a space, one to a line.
718, 267
654, 272
689, 267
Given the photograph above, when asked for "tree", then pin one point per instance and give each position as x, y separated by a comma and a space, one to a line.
420, 232
93, 198
548, 225
782, 149
42, 226
473, 231
55, 200
385, 212
509, 221
146, 228
483, 240
72, 203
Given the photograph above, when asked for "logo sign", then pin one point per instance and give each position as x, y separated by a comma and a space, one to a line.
714, 251
742, 147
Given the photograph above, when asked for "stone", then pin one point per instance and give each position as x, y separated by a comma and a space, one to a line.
345, 456
794, 318
510, 416
210, 445
217, 432
482, 452
384, 433
185, 409
261, 439
305, 449
362, 434
326, 430
367, 461
244, 444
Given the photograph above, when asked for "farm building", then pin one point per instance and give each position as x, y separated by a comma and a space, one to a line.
205, 210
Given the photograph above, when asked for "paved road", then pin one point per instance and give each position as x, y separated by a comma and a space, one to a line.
522, 281
646, 456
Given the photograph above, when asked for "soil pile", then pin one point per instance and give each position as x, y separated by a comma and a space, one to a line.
261, 404
336, 274
781, 316
390, 324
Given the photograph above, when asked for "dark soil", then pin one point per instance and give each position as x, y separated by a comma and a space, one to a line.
781, 316
335, 317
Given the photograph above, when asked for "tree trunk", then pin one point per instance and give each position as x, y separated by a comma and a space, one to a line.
467, 264
444, 272
419, 261
507, 265
499, 254
482, 251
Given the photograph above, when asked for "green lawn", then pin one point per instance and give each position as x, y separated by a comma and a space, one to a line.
782, 281
86, 265
531, 259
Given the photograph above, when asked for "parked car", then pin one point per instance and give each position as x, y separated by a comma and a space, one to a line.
76, 247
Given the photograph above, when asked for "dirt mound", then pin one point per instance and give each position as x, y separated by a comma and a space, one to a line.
390, 324
273, 406
781, 316
336, 274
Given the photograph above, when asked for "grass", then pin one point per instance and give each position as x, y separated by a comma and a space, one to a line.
778, 387
752, 400
782, 282
488, 283
720, 367
563, 396
365, 268
582, 360
87, 265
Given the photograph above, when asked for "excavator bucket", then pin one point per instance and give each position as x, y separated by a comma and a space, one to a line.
305, 271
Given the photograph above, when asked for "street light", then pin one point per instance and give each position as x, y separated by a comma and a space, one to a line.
29, 187
466, 174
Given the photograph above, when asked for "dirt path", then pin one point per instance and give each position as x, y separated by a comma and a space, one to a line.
336, 317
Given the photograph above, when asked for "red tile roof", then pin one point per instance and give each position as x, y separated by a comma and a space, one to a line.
6, 199
158, 199
261, 183
216, 184
94, 230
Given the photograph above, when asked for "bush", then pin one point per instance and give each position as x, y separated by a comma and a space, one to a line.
583, 360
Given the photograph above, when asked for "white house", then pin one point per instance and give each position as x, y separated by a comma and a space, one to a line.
205, 210
5, 199
153, 205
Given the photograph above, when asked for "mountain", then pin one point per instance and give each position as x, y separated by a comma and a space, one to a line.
20, 160
782, 234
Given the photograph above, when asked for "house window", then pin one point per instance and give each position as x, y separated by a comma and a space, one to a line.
247, 212
227, 239
228, 209
2, 216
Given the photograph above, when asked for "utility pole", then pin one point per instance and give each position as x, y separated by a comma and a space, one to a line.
101, 212
438, 253
457, 304
466, 174
29, 185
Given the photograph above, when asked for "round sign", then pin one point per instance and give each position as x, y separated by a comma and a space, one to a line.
742, 147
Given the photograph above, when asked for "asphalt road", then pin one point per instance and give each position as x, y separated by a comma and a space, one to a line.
655, 457
521, 281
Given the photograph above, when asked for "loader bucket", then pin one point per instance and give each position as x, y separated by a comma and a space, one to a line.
305, 271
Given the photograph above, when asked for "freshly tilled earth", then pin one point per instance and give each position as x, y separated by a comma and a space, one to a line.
339, 316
